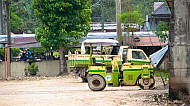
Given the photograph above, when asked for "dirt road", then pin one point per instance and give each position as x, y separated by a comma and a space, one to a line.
69, 91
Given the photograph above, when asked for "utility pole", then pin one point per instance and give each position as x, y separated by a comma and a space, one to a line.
8, 51
102, 10
1, 17
118, 29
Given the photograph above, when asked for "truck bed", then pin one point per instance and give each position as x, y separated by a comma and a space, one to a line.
79, 60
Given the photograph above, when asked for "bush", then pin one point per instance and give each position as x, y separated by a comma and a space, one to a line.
31, 69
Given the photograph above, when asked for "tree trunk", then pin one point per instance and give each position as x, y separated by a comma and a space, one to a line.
63, 62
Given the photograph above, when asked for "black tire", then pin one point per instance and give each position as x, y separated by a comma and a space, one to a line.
151, 86
96, 83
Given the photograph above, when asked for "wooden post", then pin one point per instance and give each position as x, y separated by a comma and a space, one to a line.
118, 12
8, 51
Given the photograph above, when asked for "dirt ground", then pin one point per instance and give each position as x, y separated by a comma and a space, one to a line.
69, 91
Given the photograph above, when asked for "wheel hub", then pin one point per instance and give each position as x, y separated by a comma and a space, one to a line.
96, 83
146, 81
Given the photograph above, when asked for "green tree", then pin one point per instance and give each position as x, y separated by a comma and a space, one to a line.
131, 19
23, 9
14, 51
144, 7
62, 24
162, 31
108, 9
17, 23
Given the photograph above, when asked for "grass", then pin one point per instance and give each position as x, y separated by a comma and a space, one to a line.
158, 73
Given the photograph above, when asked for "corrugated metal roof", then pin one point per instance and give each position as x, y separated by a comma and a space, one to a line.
25, 42
158, 56
27, 45
22, 40
148, 41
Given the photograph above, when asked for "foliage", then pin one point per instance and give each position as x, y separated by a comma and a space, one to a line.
15, 52
31, 69
17, 23
131, 17
38, 50
108, 9
23, 9
164, 73
144, 7
162, 31
62, 23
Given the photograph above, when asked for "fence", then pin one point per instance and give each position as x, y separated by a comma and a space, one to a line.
46, 68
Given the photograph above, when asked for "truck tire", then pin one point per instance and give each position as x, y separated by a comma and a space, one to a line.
146, 83
96, 83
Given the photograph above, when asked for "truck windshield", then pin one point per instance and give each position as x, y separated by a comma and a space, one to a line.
115, 50
138, 55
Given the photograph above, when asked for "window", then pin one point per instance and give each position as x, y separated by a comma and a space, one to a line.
138, 55
124, 55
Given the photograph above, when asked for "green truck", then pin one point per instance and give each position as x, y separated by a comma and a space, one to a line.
79, 62
136, 70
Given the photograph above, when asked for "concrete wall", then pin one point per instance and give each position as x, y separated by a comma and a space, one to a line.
46, 68
179, 46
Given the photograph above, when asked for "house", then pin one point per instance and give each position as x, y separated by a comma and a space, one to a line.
161, 13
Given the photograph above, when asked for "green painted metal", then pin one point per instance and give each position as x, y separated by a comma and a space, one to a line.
90, 58
136, 69
130, 77
82, 63
89, 71
139, 62
115, 79
145, 73
111, 79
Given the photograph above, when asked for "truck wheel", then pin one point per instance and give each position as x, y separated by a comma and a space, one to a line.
146, 83
96, 83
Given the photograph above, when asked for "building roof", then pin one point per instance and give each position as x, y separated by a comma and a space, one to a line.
148, 41
162, 10
22, 40
27, 45
25, 42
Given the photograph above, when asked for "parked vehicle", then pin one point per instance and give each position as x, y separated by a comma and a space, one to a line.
136, 70
79, 62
